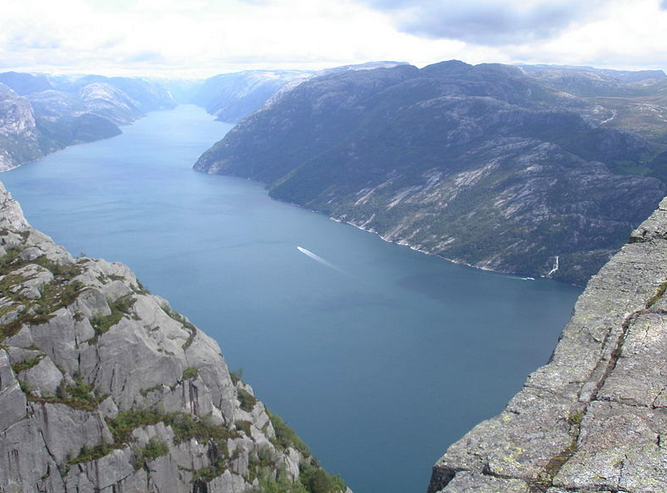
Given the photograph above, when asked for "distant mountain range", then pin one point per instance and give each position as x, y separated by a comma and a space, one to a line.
231, 97
40, 114
533, 170
43, 113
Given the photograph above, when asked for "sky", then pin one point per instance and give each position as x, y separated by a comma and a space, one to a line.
200, 38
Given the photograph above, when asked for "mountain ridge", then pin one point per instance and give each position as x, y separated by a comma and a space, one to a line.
415, 154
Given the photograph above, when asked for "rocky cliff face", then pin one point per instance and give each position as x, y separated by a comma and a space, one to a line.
19, 137
479, 164
594, 418
38, 117
103, 387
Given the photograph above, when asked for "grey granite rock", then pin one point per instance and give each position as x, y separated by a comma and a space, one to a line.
12, 399
44, 377
103, 387
594, 418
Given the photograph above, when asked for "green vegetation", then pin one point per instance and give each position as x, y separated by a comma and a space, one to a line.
60, 271
145, 392
61, 292
575, 418
93, 453
184, 322
313, 478
190, 372
26, 365
285, 436
119, 308
211, 472
659, 293
316, 480
281, 485
154, 448
246, 399
20, 149
186, 427
78, 396
237, 376
244, 426
125, 422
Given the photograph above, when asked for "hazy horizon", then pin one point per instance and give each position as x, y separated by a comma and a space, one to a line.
201, 38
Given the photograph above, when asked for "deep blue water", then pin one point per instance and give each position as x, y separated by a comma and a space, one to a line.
379, 359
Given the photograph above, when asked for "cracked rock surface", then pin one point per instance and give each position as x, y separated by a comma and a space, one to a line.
594, 418
104, 388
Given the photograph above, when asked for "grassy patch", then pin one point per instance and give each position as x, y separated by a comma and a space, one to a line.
154, 448
61, 271
316, 480
247, 400
59, 293
186, 427
244, 426
93, 453
125, 422
286, 437
119, 308
190, 373
78, 396
26, 365
207, 474
145, 392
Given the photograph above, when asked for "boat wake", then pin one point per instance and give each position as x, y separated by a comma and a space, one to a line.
319, 259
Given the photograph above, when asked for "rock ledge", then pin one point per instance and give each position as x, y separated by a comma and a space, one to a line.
594, 418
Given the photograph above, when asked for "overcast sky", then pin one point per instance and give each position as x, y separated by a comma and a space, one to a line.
196, 38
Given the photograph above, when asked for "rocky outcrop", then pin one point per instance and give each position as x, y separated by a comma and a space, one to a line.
482, 165
594, 418
19, 137
103, 387
106, 100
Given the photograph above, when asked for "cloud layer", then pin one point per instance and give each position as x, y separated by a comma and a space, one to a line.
204, 37
489, 22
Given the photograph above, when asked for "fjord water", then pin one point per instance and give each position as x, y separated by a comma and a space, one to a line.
380, 357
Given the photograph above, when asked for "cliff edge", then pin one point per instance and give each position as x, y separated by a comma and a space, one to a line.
104, 388
594, 418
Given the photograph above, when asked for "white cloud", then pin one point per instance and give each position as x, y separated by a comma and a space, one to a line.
492, 22
205, 37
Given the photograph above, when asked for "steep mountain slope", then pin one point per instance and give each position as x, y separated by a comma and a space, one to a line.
231, 97
19, 137
61, 111
593, 419
145, 94
479, 164
103, 387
